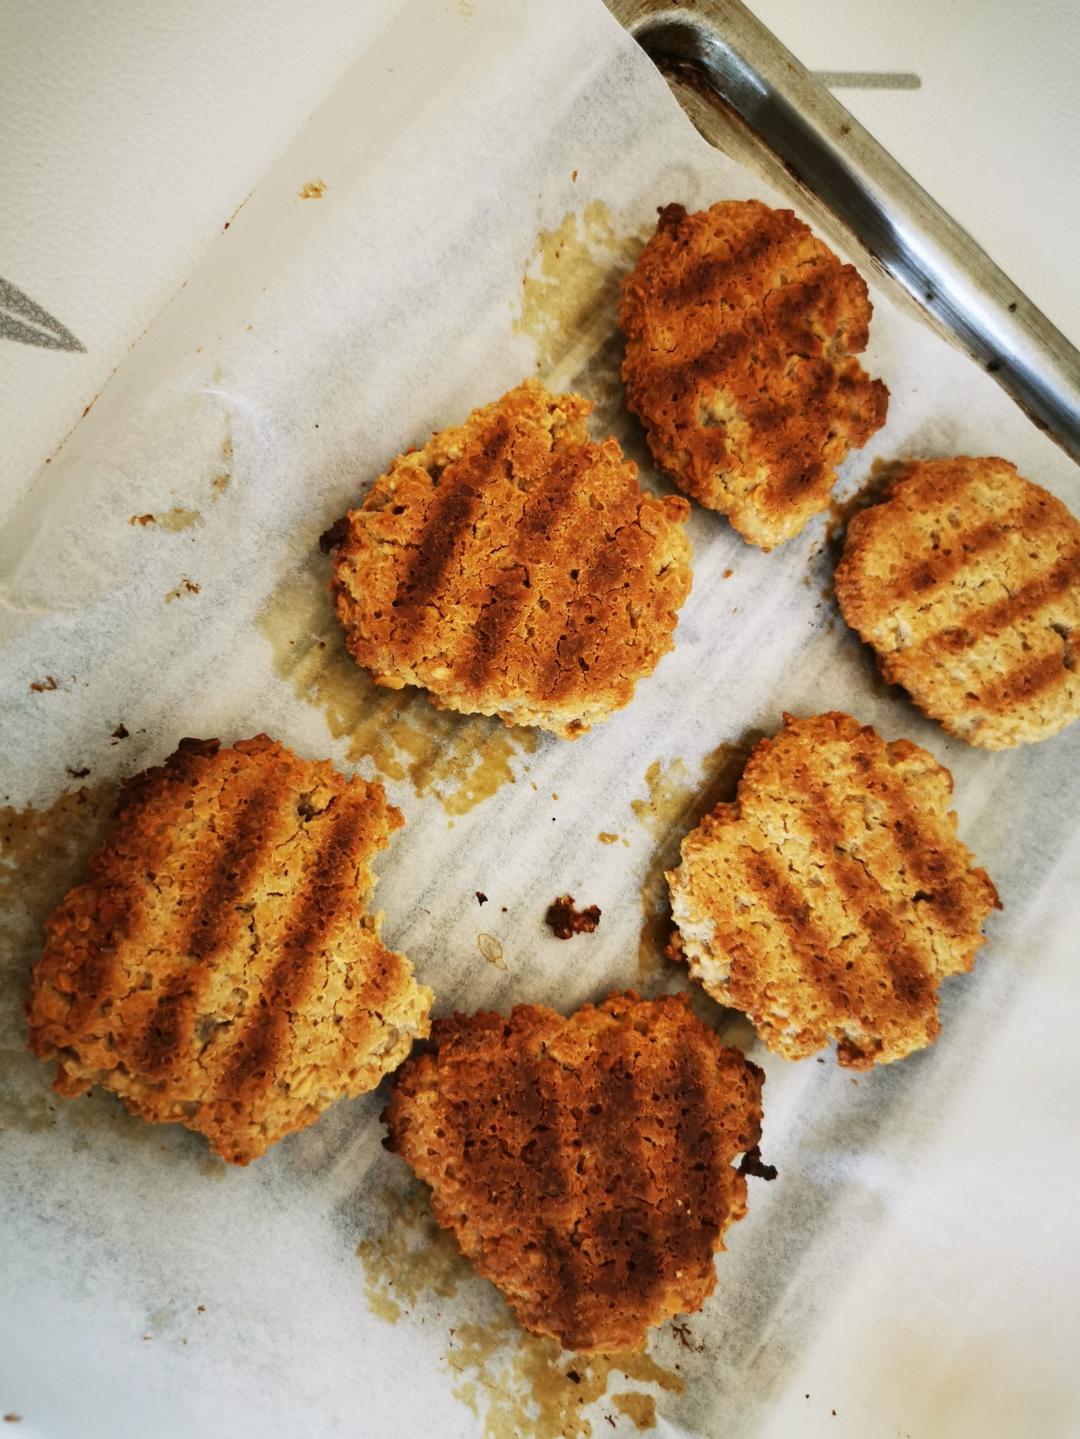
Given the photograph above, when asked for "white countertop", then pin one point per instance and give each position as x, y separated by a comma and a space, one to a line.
133, 132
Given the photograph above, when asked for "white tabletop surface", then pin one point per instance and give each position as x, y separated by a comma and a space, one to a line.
132, 132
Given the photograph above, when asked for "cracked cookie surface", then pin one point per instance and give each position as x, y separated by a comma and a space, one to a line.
742, 330
218, 968
831, 898
966, 583
584, 1165
512, 567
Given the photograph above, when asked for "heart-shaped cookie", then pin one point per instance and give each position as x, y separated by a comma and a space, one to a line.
584, 1164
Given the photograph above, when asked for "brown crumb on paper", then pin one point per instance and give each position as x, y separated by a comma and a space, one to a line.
491, 949
40, 687
141, 520
565, 921
684, 1335
331, 538
120, 732
313, 190
481, 897
751, 1163
78, 773
12, 1418
185, 587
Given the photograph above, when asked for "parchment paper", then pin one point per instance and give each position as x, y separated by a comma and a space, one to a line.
488, 173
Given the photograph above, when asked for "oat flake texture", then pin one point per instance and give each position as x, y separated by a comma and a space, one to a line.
218, 967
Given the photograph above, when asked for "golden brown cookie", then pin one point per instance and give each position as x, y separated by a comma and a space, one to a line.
584, 1164
966, 581
218, 968
741, 335
829, 900
513, 568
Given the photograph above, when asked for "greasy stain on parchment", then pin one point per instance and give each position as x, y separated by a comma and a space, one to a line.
570, 307
460, 759
514, 1383
43, 854
675, 803
641, 1408
175, 520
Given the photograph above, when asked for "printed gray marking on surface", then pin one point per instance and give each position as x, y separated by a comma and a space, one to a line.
868, 79
23, 320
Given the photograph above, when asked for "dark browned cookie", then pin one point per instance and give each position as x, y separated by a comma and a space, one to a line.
831, 898
741, 335
219, 968
512, 567
585, 1165
966, 581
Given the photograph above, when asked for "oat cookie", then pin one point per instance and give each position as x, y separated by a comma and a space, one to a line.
966, 582
741, 335
584, 1164
831, 898
512, 567
218, 968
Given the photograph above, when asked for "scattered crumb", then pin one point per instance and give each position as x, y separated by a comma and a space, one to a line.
573, 177
120, 732
751, 1163
141, 520
605, 838
77, 773
313, 190
185, 587
40, 687
491, 949
728, 574
200, 1309
331, 538
565, 921
481, 897
684, 1335
146, 1337
554, 795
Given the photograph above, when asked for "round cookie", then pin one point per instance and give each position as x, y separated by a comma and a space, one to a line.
511, 567
218, 968
966, 582
829, 900
584, 1165
741, 335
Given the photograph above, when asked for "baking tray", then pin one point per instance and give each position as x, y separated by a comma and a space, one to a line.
272, 1326
750, 97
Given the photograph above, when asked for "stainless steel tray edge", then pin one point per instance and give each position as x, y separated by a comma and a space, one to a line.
725, 66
